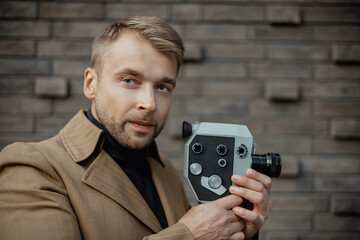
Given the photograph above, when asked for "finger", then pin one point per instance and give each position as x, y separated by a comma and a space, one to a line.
238, 236
252, 196
248, 183
229, 202
264, 179
248, 215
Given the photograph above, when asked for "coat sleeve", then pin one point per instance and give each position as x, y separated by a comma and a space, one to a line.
33, 200
177, 231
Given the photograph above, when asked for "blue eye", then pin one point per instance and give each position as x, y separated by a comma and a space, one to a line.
129, 81
164, 89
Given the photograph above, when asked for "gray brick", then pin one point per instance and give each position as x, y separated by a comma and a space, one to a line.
16, 124
116, 11
71, 105
284, 15
15, 86
302, 52
331, 14
332, 33
337, 184
345, 129
24, 105
337, 109
228, 89
186, 12
186, 88
78, 29
337, 147
298, 127
303, 184
346, 53
66, 68
331, 71
154, 1
71, 10
61, 48
51, 87
330, 90
282, 91
17, 48
329, 236
261, 108
234, 51
288, 222
18, 9
290, 166
51, 124
281, 33
281, 235
332, 223
215, 106
343, 204
284, 145
24, 29
330, 163
214, 70
300, 203
233, 13
12, 66
215, 32
279, 70
193, 52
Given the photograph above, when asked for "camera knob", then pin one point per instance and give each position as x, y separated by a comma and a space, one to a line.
195, 169
242, 151
197, 148
215, 181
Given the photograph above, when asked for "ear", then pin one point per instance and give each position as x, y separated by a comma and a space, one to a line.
90, 83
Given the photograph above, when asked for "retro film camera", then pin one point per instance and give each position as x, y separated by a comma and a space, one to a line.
216, 151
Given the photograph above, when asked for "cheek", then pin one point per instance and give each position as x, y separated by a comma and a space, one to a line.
164, 108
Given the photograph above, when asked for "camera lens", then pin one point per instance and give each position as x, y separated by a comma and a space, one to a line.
268, 164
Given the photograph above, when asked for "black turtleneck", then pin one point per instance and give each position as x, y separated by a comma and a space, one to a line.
134, 163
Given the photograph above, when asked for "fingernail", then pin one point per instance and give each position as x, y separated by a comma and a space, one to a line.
251, 172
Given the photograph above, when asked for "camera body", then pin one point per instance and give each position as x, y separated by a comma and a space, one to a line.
216, 151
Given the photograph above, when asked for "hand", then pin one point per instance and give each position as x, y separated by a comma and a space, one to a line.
215, 220
255, 187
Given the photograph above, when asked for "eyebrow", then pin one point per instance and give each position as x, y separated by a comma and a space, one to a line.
135, 73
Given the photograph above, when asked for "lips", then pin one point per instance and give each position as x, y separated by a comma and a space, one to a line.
142, 126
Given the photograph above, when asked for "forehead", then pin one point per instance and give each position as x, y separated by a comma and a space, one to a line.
132, 51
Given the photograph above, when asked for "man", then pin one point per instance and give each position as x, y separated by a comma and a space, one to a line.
101, 177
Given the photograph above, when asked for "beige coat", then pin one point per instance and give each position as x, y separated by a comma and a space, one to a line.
67, 187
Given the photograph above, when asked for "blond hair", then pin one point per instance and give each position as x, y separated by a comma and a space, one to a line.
161, 35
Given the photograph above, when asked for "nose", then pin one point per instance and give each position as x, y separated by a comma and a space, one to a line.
147, 100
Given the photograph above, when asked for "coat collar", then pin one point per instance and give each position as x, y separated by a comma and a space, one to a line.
81, 138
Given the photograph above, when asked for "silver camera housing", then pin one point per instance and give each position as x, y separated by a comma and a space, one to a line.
213, 153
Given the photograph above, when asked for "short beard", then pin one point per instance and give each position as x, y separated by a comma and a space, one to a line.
116, 128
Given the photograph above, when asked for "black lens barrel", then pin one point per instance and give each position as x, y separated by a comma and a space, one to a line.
268, 164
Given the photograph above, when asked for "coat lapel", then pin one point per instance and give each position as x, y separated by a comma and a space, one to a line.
164, 182
107, 177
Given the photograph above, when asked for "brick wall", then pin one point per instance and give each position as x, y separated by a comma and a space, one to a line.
289, 69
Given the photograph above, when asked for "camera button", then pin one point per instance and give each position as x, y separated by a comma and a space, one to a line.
195, 169
215, 181
222, 162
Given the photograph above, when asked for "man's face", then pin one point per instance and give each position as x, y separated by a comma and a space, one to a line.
134, 91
